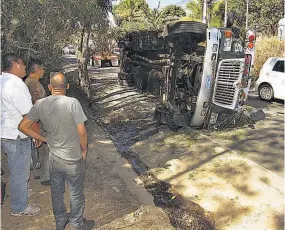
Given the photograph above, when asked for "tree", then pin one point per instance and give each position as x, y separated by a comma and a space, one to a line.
41, 28
130, 10
172, 12
88, 17
135, 15
216, 12
263, 14
196, 10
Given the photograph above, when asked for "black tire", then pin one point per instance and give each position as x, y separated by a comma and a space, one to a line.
197, 29
265, 92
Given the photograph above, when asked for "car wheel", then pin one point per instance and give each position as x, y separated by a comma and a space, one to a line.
265, 92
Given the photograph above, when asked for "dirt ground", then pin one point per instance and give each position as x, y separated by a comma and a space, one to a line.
238, 175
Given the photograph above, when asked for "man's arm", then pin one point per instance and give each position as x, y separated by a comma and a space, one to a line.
83, 139
79, 118
26, 127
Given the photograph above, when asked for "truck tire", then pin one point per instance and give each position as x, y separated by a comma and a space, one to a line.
196, 29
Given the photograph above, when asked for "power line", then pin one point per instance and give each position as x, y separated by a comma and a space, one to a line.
181, 2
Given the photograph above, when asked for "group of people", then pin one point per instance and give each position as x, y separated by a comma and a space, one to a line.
51, 125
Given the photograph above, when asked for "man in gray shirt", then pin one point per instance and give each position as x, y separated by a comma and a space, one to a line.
63, 120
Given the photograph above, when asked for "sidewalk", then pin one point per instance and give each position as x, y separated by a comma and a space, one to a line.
239, 193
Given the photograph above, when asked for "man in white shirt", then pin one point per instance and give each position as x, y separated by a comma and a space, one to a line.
15, 103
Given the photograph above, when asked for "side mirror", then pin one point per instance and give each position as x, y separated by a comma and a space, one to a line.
230, 19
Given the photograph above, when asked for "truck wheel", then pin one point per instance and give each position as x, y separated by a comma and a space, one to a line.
196, 29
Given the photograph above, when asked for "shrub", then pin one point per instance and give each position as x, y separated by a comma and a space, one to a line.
265, 48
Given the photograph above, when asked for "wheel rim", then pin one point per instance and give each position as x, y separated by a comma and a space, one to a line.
265, 93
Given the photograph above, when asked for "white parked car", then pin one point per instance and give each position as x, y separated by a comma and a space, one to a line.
271, 81
69, 50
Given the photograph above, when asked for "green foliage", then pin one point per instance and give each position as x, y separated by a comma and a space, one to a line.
134, 15
172, 11
265, 48
40, 28
263, 14
130, 10
196, 9
216, 12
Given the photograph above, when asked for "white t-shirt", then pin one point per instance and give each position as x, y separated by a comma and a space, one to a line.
15, 102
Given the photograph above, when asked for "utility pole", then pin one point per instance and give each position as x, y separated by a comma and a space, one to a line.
204, 20
246, 24
226, 13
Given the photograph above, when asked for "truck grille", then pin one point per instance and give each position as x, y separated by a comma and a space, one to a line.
225, 92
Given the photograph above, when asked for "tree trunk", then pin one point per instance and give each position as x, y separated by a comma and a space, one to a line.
84, 82
85, 66
81, 40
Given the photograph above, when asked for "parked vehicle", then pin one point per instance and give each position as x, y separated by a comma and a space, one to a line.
271, 81
108, 54
106, 57
69, 50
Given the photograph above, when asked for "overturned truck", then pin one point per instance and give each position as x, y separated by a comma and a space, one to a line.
201, 74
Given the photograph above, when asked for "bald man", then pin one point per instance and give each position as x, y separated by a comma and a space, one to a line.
63, 120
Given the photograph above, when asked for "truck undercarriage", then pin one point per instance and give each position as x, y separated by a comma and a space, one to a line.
199, 73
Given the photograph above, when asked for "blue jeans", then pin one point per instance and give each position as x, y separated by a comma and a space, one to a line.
73, 172
19, 160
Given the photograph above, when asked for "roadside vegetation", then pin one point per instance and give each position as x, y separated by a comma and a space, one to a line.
41, 28
266, 47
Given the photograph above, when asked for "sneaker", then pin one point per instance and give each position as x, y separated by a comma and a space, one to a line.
87, 225
62, 227
66, 223
31, 210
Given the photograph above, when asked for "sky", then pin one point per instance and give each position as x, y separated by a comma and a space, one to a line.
163, 3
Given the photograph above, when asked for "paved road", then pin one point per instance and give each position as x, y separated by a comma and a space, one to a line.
274, 107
